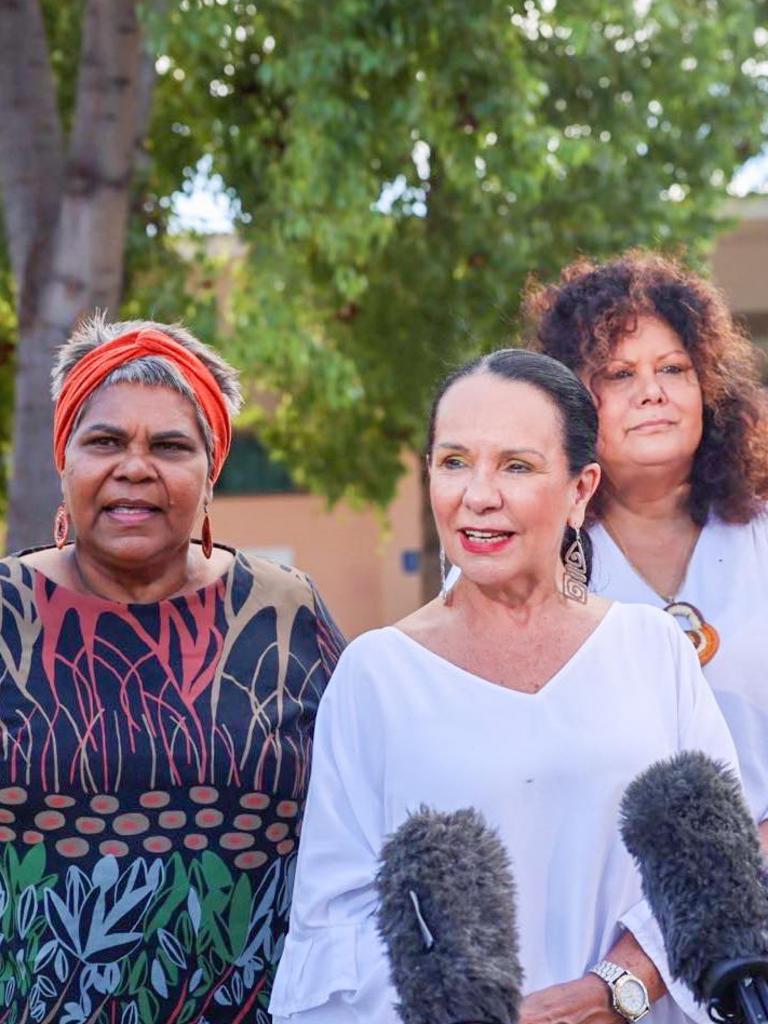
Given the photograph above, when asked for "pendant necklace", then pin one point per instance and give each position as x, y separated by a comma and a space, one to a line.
702, 634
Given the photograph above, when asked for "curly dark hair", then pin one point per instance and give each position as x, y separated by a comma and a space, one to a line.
580, 318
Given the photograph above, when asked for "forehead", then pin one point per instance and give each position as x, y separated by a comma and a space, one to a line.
487, 409
128, 406
652, 337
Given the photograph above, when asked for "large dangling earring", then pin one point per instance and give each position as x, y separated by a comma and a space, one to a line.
205, 534
444, 591
60, 527
575, 576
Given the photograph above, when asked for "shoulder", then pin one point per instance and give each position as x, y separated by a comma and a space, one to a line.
366, 664
16, 572
646, 629
754, 530
369, 648
274, 584
294, 598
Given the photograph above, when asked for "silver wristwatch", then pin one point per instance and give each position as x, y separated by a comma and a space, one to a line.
628, 994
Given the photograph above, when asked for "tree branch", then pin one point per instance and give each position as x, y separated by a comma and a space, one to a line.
31, 144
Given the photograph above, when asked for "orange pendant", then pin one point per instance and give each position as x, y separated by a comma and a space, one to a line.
704, 637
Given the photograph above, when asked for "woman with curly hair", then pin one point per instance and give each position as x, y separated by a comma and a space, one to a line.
679, 520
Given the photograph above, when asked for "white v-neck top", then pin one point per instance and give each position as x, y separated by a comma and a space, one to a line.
399, 726
727, 580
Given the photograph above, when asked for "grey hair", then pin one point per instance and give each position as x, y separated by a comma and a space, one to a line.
151, 371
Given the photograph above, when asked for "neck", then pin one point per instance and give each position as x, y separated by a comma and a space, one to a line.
518, 600
142, 584
659, 500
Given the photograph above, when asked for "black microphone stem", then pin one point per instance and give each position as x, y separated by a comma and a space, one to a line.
752, 996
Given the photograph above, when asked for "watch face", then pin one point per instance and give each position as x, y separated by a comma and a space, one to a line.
631, 997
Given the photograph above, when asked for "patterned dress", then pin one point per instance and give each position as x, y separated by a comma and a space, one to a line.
153, 767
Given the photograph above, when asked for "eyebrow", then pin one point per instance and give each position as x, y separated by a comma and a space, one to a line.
630, 362
506, 453
113, 431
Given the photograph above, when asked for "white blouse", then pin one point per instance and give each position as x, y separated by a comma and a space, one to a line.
727, 580
400, 726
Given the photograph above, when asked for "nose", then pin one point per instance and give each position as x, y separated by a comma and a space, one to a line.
136, 466
649, 389
481, 493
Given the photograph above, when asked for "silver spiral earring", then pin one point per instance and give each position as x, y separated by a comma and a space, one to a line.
575, 576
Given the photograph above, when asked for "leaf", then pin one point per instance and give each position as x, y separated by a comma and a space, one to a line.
172, 948
44, 955
26, 909
238, 992
106, 872
137, 979
157, 976
222, 996
32, 867
130, 1014
195, 980
215, 872
149, 1007
61, 966
47, 987
193, 908
238, 918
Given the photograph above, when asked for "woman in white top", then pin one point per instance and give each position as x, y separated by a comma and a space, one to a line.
519, 695
679, 518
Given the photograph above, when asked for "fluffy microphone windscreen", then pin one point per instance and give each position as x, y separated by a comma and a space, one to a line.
447, 917
687, 825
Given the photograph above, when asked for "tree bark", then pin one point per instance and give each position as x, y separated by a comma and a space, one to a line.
66, 217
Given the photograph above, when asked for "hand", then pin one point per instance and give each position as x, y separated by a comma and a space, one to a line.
583, 1001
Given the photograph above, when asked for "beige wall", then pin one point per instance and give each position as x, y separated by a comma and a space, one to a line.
740, 262
354, 560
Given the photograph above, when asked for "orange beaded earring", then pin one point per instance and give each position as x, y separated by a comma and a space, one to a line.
206, 536
60, 527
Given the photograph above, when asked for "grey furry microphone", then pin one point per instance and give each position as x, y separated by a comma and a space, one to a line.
447, 918
687, 826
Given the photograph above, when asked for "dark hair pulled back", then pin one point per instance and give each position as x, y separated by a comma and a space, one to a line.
577, 412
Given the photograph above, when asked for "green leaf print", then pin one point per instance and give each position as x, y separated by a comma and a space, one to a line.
239, 910
31, 869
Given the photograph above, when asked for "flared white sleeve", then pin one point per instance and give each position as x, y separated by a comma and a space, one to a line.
701, 727
333, 970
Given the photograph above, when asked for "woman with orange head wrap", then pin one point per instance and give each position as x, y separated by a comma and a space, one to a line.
156, 708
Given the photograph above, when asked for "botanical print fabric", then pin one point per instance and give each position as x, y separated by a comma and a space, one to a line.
153, 766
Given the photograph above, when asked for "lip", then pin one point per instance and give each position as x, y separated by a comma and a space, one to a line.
130, 512
475, 547
648, 425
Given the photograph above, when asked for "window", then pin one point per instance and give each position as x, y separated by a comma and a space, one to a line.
249, 470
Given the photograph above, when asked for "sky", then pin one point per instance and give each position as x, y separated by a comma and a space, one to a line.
207, 208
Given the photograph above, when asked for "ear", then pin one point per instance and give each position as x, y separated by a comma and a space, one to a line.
585, 486
208, 491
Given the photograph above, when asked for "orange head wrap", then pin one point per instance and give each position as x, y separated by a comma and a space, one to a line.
86, 375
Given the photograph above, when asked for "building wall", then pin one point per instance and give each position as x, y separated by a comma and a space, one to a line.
359, 563
740, 264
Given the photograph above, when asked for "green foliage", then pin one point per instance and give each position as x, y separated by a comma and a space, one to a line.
517, 135
521, 135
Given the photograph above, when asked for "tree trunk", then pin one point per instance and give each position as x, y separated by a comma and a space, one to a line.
68, 227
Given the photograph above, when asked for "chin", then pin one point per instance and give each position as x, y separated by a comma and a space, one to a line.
662, 452
487, 575
132, 551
